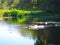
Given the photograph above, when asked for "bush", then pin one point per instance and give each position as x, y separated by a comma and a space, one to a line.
6, 14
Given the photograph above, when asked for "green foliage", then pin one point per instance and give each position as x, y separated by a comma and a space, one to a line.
6, 14
45, 5
13, 13
17, 15
23, 16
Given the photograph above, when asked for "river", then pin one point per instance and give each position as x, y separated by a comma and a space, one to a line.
14, 34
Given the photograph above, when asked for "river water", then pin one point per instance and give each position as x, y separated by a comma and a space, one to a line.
14, 34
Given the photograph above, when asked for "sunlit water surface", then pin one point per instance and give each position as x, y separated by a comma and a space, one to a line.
9, 35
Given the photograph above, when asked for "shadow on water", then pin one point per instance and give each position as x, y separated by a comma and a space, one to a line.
48, 37
55, 36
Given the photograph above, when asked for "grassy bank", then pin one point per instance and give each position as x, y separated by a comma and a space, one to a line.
24, 16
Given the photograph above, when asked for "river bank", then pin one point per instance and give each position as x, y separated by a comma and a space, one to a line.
24, 16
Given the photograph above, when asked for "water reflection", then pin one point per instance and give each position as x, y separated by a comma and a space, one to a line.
43, 37
9, 35
13, 34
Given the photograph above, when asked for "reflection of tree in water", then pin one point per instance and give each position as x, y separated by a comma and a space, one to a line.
11, 20
54, 36
31, 34
58, 36
39, 41
41, 36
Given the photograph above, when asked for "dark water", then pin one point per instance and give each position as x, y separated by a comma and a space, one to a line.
14, 34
